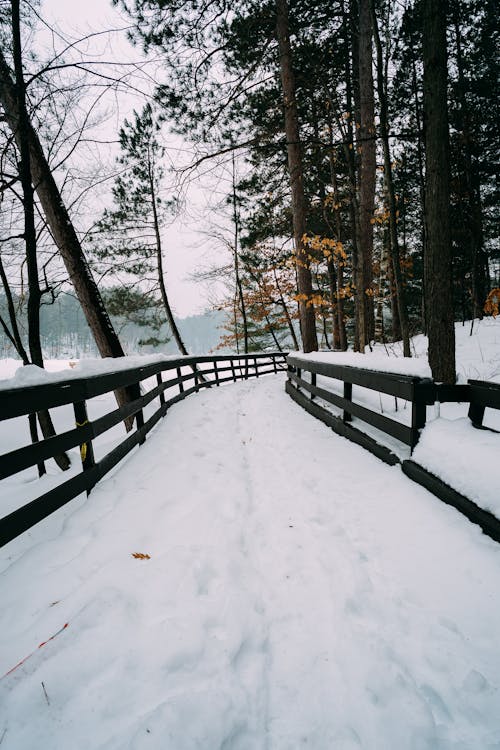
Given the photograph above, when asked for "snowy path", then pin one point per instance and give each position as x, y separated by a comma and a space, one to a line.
299, 594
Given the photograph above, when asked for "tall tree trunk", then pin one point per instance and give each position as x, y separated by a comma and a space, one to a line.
391, 195
350, 40
438, 279
368, 165
473, 218
60, 224
339, 335
286, 312
294, 153
421, 179
35, 295
239, 285
15, 336
159, 265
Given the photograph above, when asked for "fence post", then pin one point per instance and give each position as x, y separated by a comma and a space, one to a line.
216, 373
86, 449
34, 439
162, 394
256, 366
347, 416
233, 370
139, 416
418, 413
476, 413
181, 384
274, 363
313, 382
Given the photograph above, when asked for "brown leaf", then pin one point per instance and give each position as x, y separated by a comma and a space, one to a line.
141, 556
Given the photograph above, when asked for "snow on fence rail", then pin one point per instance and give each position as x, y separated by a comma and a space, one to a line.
16, 402
420, 392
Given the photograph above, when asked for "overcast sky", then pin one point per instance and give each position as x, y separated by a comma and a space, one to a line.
186, 246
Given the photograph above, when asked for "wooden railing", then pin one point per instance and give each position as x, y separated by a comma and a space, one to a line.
418, 392
187, 375
483, 394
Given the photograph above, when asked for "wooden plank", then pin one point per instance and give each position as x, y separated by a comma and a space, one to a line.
86, 448
24, 518
487, 521
485, 393
393, 384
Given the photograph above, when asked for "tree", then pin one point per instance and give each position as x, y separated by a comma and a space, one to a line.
438, 284
304, 281
368, 164
128, 238
391, 193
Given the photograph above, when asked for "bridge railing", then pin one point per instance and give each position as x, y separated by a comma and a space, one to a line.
185, 375
317, 398
416, 391
483, 395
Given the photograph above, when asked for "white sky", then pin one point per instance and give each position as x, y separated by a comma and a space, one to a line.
186, 247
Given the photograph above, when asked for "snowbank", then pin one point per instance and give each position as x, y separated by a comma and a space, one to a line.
465, 458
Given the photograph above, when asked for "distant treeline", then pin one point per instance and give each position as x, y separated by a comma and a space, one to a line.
65, 333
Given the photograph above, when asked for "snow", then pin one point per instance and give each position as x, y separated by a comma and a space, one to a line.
371, 361
299, 593
465, 458
57, 371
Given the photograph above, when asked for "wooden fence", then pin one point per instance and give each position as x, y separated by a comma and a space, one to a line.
418, 392
202, 372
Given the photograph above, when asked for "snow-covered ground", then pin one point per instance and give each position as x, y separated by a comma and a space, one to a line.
298, 593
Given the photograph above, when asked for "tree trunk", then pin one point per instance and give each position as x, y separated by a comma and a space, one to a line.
438, 280
294, 153
60, 224
35, 295
368, 165
281, 301
340, 335
239, 285
15, 336
391, 196
421, 179
159, 265
473, 212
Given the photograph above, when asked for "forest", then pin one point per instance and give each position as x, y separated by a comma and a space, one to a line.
358, 143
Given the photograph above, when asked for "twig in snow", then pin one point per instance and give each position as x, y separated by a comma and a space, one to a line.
479, 345
45, 693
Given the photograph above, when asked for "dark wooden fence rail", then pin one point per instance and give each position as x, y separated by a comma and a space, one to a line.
203, 372
419, 392
483, 395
